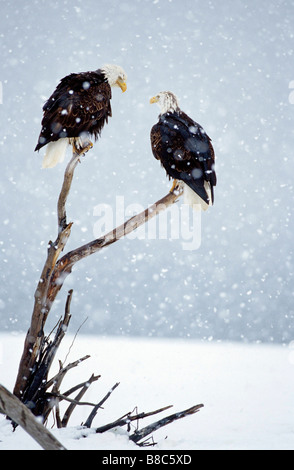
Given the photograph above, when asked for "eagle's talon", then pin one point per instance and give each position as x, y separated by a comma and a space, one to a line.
174, 186
87, 148
81, 150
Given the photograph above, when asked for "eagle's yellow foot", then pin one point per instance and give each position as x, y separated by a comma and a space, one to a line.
174, 186
81, 150
87, 148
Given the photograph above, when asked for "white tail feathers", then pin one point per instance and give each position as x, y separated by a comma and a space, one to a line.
195, 201
55, 153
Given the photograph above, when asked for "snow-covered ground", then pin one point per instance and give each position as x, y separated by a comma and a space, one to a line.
247, 392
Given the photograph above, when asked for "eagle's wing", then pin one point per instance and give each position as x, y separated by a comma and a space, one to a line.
156, 141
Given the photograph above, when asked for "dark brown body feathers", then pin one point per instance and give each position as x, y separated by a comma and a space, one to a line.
80, 104
185, 151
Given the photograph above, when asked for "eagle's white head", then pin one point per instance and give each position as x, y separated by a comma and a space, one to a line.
116, 76
167, 101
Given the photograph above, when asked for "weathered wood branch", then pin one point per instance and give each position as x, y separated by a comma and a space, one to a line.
77, 401
77, 387
93, 413
35, 335
140, 434
47, 355
42, 306
65, 264
56, 380
20, 414
128, 418
65, 396
68, 176
73, 401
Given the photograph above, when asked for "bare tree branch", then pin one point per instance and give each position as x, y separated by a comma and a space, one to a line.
67, 261
93, 413
61, 397
55, 382
72, 406
68, 176
76, 387
60, 375
65, 264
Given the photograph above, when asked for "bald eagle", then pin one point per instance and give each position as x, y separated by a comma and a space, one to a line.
184, 150
77, 110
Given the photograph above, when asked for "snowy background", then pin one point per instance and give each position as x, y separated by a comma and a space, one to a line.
231, 65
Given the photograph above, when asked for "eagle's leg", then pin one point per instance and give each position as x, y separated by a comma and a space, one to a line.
175, 183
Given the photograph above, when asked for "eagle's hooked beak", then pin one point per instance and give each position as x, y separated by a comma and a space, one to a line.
122, 84
154, 99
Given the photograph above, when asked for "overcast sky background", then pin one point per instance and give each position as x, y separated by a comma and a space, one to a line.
231, 65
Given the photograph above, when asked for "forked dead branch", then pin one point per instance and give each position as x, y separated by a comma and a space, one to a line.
33, 386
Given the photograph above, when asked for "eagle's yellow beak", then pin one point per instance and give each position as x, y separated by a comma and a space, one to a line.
154, 99
122, 85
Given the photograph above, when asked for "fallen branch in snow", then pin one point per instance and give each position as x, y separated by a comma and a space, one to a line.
20, 414
128, 418
142, 433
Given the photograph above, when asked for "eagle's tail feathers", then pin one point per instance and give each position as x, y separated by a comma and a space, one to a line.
55, 153
195, 200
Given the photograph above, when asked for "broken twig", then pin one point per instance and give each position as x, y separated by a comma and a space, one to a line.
142, 433
93, 413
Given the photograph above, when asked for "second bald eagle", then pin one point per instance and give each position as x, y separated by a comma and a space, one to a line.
184, 150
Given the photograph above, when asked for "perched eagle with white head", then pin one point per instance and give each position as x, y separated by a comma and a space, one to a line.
77, 110
184, 150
